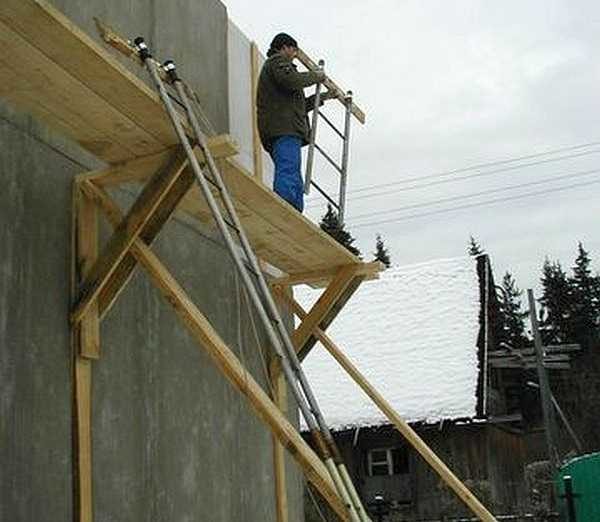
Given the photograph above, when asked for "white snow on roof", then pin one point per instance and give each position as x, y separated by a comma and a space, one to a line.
413, 335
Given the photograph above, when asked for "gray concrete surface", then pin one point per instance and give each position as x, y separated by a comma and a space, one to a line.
172, 440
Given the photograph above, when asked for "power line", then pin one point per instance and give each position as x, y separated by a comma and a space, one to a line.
477, 194
470, 176
478, 204
477, 166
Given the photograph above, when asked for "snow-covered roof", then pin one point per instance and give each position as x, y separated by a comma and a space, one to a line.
413, 334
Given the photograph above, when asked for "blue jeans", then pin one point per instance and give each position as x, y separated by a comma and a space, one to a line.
285, 153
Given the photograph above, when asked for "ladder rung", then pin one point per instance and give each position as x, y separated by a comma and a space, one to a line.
333, 127
328, 158
231, 225
325, 195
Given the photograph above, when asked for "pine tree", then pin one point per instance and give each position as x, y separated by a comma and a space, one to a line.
557, 308
381, 252
330, 223
475, 249
584, 292
511, 313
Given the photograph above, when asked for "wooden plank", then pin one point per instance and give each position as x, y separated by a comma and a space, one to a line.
81, 376
323, 305
331, 85
257, 154
124, 271
232, 368
401, 425
87, 252
280, 398
70, 48
149, 233
100, 128
140, 169
322, 277
138, 216
306, 239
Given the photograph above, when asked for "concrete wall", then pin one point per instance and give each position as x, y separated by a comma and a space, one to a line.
172, 440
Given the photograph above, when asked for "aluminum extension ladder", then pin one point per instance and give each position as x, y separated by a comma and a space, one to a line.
342, 167
249, 269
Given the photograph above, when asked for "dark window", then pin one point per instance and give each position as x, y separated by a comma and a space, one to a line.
387, 461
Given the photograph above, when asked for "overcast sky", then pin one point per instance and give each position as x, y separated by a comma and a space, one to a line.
449, 85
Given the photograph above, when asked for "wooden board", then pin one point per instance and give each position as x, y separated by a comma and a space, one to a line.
54, 70
280, 235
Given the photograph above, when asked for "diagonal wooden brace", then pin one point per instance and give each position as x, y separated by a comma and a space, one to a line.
444, 472
146, 211
324, 311
227, 362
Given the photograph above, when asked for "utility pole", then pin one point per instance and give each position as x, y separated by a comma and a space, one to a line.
545, 392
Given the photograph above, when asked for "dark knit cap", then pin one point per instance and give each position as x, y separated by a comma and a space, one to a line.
281, 40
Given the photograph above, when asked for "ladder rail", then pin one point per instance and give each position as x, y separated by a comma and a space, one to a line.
310, 157
345, 157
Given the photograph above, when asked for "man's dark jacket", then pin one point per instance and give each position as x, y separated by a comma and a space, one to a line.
280, 103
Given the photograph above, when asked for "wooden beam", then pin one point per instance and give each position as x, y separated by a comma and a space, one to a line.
323, 306
280, 398
257, 153
401, 425
331, 85
322, 277
140, 169
87, 252
81, 374
233, 370
126, 267
141, 212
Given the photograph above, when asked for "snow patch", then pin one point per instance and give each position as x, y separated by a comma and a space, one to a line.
413, 335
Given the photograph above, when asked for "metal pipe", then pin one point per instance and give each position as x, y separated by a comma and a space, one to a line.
345, 157
313, 133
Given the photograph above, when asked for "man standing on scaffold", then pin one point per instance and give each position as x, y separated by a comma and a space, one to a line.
282, 112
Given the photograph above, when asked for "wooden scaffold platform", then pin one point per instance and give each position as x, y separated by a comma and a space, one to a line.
61, 75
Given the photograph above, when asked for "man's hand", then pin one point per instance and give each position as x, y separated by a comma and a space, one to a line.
320, 75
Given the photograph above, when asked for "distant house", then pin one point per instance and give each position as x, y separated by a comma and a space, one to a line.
421, 335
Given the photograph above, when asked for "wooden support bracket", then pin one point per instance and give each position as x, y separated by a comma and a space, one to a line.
227, 362
401, 425
326, 308
146, 211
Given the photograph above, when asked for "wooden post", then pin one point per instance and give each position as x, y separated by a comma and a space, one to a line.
402, 426
545, 393
280, 398
85, 346
256, 144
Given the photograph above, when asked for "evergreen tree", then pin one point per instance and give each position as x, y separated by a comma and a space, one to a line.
381, 252
330, 223
584, 293
475, 249
511, 313
557, 308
